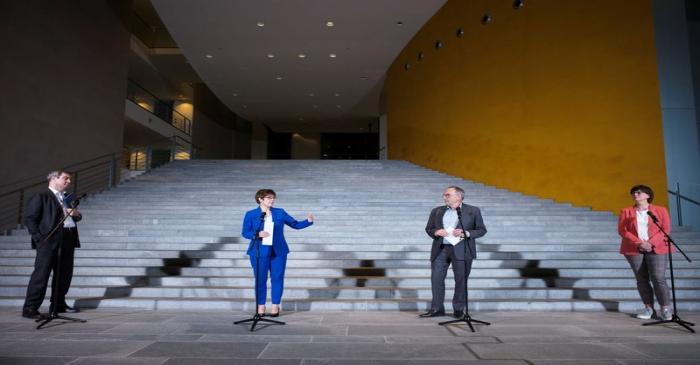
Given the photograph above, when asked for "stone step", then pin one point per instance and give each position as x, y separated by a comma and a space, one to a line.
170, 238
311, 271
412, 305
292, 293
177, 261
369, 282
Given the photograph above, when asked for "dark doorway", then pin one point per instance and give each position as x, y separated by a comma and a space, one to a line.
349, 146
279, 145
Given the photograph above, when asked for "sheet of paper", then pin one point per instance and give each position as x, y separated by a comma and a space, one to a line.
269, 228
450, 238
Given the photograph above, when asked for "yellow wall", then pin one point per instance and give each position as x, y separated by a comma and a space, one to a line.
558, 99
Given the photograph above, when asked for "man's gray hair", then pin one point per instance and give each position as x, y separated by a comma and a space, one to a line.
56, 174
459, 190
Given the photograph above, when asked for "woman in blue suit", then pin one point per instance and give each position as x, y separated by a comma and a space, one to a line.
272, 255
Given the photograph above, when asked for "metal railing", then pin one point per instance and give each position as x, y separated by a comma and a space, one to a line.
159, 152
160, 108
679, 202
90, 176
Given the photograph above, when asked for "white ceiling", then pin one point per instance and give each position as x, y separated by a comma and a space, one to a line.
346, 90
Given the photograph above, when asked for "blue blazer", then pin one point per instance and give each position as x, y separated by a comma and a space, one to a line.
252, 222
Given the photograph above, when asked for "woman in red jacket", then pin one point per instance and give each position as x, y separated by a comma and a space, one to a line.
645, 248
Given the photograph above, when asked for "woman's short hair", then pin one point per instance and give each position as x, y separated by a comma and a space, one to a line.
263, 193
643, 189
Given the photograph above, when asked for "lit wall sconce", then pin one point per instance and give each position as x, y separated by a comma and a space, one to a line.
438, 44
406, 66
518, 4
420, 56
486, 19
460, 33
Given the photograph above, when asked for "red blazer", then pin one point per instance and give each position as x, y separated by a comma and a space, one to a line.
627, 228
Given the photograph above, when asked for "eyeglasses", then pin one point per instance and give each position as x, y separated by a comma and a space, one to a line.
270, 197
636, 192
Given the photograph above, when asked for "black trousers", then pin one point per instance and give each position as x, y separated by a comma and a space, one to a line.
47, 262
461, 270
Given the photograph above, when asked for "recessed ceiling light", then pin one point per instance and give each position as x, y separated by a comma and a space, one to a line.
315, 106
363, 77
301, 118
337, 94
311, 94
244, 106
208, 56
332, 55
235, 94
399, 23
260, 24
339, 106
330, 24
301, 55
270, 55
278, 77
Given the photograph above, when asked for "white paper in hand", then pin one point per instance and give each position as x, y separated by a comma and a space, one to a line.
450, 238
269, 228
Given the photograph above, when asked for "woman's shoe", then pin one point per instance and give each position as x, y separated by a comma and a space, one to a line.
273, 314
261, 310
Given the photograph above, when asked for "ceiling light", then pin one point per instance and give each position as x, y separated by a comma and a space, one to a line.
235, 94
363, 77
278, 77
311, 94
337, 94
301, 55
244, 106
399, 23
208, 56
330, 24
339, 106
332, 55
260, 24
301, 118
315, 106
270, 55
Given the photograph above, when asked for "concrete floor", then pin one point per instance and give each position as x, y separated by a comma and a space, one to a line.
208, 337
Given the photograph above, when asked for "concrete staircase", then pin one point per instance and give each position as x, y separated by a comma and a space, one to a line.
171, 239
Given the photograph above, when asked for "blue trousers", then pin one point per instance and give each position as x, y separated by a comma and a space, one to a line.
275, 265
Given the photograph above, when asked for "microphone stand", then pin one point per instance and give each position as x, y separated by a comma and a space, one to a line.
257, 317
466, 318
675, 318
57, 276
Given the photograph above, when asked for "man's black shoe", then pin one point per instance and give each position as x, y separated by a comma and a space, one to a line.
68, 309
31, 313
432, 313
459, 314
65, 309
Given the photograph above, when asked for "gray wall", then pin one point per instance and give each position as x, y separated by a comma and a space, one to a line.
63, 72
678, 106
219, 132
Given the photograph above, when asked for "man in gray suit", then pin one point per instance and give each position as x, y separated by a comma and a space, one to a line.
449, 247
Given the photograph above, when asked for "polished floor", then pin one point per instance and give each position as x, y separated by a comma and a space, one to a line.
209, 337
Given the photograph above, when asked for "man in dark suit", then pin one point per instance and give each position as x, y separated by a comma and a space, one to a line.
449, 247
43, 212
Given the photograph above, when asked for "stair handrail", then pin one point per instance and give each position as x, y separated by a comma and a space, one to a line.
680, 197
97, 178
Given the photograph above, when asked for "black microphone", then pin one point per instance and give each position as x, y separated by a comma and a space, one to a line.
74, 202
653, 217
459, 212
262, 216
